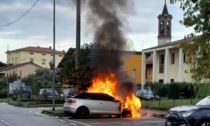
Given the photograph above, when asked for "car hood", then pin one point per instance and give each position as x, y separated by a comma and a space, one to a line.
184, 108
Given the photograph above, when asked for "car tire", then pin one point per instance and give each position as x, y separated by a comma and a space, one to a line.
204, 123
126, 113
82, 112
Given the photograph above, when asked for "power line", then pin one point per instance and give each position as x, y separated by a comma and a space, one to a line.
21, 15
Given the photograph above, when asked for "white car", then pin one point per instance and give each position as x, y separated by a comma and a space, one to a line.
85, 104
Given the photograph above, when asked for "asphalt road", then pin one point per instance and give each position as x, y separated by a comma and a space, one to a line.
15, 116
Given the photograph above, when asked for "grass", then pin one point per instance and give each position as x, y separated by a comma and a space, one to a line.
57, 112
166, 104
163, 104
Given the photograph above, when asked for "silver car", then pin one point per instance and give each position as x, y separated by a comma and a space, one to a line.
85, 104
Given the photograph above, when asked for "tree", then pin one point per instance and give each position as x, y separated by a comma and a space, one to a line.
197, 15
42, 78
81, 76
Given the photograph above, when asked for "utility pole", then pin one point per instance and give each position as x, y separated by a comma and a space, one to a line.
53, 100
78, 29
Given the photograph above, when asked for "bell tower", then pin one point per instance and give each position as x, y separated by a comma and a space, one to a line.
164, 26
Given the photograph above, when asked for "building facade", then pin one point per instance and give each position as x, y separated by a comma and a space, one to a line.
167, 59
131, 65
22, 69
38, 55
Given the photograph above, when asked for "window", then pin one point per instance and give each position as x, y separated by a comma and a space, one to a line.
43, 54
161, 64
31, 60
43, 61
31, 53
161, 81
60, 55
172, 80
15, 60
168, 27
184, 58
161, 27
172, 58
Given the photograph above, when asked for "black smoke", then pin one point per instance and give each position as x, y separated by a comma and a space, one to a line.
107, 19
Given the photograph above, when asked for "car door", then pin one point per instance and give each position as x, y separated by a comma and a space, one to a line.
108, 105
92, 103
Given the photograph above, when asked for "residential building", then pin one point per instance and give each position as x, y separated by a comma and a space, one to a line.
38, 55
167, 59
21, 69
2, 65
131, 65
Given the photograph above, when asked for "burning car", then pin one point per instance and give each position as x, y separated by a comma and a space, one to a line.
85, 104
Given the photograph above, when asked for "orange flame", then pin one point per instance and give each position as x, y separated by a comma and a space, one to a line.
109, 85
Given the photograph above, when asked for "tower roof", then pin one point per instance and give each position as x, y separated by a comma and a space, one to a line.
165, 10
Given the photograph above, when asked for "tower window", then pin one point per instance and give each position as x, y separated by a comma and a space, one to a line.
168, 27
161, 27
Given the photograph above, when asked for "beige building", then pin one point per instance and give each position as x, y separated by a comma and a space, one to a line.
38, 55
22, 69
167, 59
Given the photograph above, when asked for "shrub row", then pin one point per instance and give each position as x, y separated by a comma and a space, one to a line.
181, 90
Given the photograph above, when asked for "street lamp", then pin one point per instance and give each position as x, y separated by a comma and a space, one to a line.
53, 100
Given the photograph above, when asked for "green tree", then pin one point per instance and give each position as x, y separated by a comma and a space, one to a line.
197, 15
42, 78
81, 76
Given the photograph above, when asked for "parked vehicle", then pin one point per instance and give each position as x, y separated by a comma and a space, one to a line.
69, 92
146, 94
85, 104
190, 115
26, 89
47, 92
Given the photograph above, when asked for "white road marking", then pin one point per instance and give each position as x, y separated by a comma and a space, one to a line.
79, 123
73, 124
6, 123
61, 120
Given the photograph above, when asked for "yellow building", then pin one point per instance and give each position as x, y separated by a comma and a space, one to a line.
22, 69
38, 55
132, 65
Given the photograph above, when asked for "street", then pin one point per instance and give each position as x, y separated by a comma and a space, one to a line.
15, 116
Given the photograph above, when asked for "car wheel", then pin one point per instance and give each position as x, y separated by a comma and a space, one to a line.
126, 113
82, 112
204, 123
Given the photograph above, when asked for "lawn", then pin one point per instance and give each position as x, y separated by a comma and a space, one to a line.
163, 104
167, 103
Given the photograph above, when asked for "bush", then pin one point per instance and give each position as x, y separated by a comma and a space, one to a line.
3, 93
203, 90
173, 91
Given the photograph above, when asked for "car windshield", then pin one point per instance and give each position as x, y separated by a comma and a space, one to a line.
205, 101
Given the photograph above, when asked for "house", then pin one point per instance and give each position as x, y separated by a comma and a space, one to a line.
21, 69
131, 65
2, 65
166, 62
39, 55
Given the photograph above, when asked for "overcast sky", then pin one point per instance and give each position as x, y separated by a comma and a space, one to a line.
36, 27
